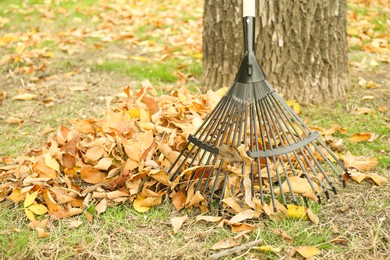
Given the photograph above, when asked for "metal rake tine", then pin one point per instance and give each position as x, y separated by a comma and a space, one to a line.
274, 119
288, 181
323, 173
211, 116
218, 118
331, 166
280, 182
293, 114
265, 118
321, 184
277, 103
271, 123
259, 119
329, 151
183, 162
306, 175
220, 137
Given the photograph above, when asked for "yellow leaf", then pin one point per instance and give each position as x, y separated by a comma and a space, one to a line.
25, 96
308, 251
30, 198
137, 204
294, 211
51, 162
16, 196
134, 113
38, 209
268, 249
29, 214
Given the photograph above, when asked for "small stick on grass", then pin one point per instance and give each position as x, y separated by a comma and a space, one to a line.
233, 250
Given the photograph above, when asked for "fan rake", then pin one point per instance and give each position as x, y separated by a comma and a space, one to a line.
253, 137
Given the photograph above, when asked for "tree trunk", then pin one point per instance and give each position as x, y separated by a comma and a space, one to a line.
301, 45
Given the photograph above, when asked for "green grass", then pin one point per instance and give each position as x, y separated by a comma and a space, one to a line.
155, 72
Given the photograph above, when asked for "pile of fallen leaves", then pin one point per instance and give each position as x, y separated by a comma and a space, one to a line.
122, 158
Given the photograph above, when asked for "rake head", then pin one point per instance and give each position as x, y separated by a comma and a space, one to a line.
253, 145
252, 136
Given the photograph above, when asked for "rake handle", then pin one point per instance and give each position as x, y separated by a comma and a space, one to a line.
248, 8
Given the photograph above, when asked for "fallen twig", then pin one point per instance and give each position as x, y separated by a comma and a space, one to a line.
233, 250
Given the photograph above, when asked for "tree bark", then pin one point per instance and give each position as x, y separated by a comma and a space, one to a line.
301, 45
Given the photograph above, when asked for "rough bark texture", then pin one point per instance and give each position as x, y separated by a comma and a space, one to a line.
301, 45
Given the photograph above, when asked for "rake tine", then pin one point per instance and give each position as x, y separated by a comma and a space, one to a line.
314, 172
333, 168
288, 182
183, 162
271, 122
265, 118
220, 137
307, 176
328, 150
321, 170
257, 148
210, 116
274, 119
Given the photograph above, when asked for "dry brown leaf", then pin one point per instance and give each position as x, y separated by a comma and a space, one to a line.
282, 233
363, 110
91, 175
101, 206
179, 199
94, 154
242, 227
41, 233
379, 180
226, 243
313, 218
177, 223
213, 219
60, 214
75, 224
361, 137
360, 163
383, 109
197, 198
229, 154
14, 120
89, 216
358, 176
300, 186
243, 215
38, 223
104, 164
233, 203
